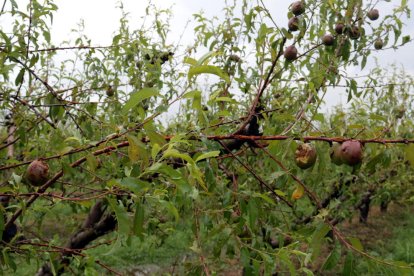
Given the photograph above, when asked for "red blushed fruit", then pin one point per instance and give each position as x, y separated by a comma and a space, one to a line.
351, 152
328, 40
291, 53
305, 156
354, 32
373, 14
298, 8
293, 24
339, 28
37, 173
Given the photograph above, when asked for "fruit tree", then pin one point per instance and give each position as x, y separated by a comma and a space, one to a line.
227, 141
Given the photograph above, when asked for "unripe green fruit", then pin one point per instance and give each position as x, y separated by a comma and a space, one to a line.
305, 156
378, 44
373, 14
335, 154
291, 53
351, 152
399, 112
37, 172
293, 24
298, 8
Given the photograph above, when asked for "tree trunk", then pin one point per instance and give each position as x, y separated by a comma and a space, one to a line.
364, 209
384, 206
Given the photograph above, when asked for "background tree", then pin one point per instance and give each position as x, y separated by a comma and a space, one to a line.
87, 159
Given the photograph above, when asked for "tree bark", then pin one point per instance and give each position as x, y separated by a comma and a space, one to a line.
98, 223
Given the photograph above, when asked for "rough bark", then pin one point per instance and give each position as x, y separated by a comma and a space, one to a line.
98, 223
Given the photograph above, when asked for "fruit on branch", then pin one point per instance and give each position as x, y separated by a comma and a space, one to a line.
298, 8
110, 91
339, 28
9, 233
293, 24
351, 152
328, 40
378, 44
234, 58
335, 154
354, 32
291, 53
37, 172
373, 14
399, 112
305, 156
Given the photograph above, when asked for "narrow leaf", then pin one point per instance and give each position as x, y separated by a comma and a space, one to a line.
208, 69
138, 97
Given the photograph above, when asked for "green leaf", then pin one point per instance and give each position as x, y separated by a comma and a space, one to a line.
409, 154
1, 222
121, 216
176, 154
356, 243
349, 265
139, 96
208, 155
19, 78
171, 208
253, 213
134, 148
332, 259
135, 185
190, 61
208, 69
138, 227
204, 59
406, 39
317, 239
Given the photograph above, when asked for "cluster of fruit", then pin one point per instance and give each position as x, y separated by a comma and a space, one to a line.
348, 152
353, 31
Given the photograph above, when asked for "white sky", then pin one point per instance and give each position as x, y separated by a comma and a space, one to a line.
101, 19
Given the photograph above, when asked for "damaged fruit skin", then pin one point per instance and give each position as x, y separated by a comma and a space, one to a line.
37, 172
305, 156
293, 24
351, 152
298, 8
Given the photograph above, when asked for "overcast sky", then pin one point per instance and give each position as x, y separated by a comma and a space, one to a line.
101, 19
